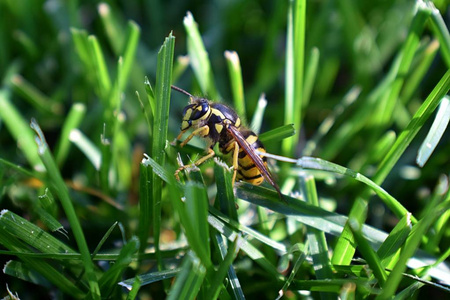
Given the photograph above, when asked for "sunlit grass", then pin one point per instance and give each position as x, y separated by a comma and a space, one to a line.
346, 95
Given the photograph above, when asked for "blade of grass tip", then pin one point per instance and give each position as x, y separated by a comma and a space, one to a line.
60, 189
237, 86
440, 30
20, 130
129, 54
151, 99
257, 119
316, 238
86, 147
113, 28
411, 246
437, 129
72, 121
109, 279
103, 240
189, 279
101, 71
225, 194
368, 253
160, 128
35, 97
277, 134
295, 57
199, 57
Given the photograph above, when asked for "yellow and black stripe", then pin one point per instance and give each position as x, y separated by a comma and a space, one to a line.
220, 124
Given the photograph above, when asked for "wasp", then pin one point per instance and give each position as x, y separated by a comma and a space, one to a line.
218, 123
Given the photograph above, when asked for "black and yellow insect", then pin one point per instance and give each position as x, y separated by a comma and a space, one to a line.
219, 123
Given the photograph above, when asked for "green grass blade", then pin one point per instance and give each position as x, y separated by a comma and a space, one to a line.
416, 123
368, 253
258, 115
87, 147
159, 135
148, 278
232, 277
129, 53
294, 71
441, 31
59, 188
386, 107
20, 130
436, 131
225, 194
199, 58
411, 246
277, 134
310, 77
217, 216
423, 113
73, 120
189, 279
391, 247
22, 271
101, 71
112, 27
134, 289
237, 85
195, 221
216, 284
109, 279
14, 237
316, 239
35, 97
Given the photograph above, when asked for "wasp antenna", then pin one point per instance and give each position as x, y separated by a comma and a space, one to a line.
181, 91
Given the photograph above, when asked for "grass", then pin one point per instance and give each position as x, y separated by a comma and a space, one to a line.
350, 97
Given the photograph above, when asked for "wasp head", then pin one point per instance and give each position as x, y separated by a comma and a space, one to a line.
196, 113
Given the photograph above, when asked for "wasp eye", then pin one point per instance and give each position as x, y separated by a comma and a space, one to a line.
199, 110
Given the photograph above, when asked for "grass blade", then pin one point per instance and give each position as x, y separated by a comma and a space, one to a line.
199, 57
436, 131
60, 189
19, 130
189, 279
237, 85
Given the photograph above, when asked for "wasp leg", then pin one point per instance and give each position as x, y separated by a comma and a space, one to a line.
202, 131
197, 163
235, 161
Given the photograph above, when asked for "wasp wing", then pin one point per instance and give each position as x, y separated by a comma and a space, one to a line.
250, 151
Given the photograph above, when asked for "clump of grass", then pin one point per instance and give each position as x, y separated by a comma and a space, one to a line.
356, 95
